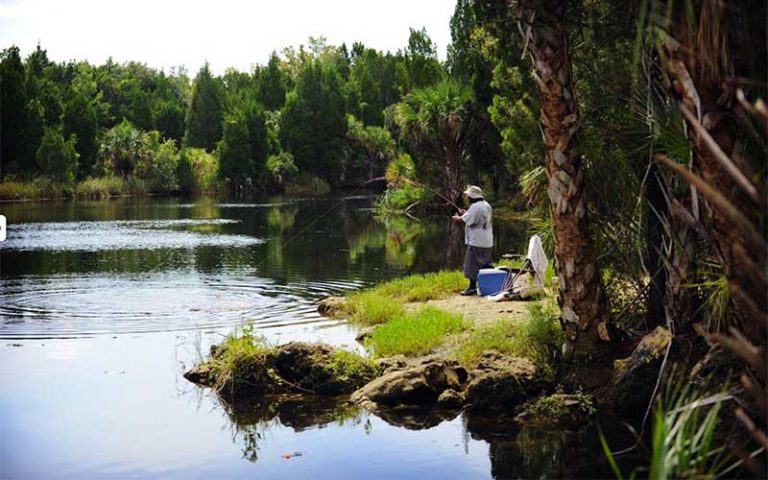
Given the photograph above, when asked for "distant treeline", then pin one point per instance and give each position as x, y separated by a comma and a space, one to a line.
316, 110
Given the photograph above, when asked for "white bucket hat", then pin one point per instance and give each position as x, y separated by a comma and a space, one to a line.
473, 191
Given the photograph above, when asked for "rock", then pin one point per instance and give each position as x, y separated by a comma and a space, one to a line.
451, 399
569, 411
502, 383
418, 385
333, 307
390, 364
314, 368
635, 377
201, 374
364, 334
415, 418
296, 367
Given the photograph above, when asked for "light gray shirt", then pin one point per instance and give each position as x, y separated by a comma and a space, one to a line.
478, 229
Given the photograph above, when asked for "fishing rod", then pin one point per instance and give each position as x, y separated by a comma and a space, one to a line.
432, 191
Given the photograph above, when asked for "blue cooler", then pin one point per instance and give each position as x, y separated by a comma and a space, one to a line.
490, 281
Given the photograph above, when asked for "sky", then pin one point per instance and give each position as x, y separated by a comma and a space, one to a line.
226, 33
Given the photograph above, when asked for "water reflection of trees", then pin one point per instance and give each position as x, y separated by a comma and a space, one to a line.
514, 451
325, 239
253, 419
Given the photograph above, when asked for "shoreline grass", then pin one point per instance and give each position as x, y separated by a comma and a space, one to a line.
414, 333
423, 287
371, 308
538, 337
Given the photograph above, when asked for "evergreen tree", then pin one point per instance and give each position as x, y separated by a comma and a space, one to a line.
205, 113
56, 157
235, 162
313, 122
272, 84
13, 124
81, 122
419, 66
257, 137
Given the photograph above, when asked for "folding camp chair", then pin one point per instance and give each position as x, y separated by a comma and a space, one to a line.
534, 263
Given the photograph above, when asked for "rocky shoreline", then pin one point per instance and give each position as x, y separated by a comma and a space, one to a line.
499, 383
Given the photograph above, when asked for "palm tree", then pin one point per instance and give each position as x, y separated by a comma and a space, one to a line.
696, 43
582, 296
437, 119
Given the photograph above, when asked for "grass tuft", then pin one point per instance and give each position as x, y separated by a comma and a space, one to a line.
414, 333
420, 288
39, 188
238, 349
351, 365
371, 308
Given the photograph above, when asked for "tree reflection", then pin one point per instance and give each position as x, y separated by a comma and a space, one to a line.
254, 418
515, 451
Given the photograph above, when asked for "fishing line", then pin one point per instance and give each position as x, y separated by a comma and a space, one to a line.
431, 190
313, 222
342, 200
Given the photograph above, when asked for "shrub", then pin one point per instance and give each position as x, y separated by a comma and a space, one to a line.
102, 187
56, 157
198, 170
282, 165
159, 170
541, 336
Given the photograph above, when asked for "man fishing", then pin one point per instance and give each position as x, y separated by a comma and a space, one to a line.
478, 236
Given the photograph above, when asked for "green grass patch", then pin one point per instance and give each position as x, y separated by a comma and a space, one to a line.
414, 333
19, 191
371, 308
420, 288
537, 338
384, 302
239, 348
351, 365
37, 189
497, 336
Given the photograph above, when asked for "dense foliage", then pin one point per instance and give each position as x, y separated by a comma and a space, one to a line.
318, 111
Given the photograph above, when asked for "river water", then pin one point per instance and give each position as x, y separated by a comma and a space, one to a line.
104, 304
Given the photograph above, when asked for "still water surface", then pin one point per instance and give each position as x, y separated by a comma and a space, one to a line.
104, 304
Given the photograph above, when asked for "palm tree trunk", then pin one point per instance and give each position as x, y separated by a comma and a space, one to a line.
582, 296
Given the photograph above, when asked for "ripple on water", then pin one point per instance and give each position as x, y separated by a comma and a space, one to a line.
121, 234
65, 306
